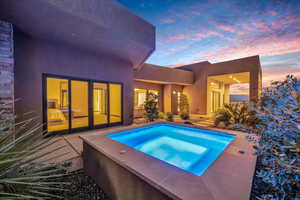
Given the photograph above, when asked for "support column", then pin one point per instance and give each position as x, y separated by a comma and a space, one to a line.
255, 85
226, 94
6, 69
167, 98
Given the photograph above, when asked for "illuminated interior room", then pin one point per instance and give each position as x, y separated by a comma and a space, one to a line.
140, 96
225, 89
68, 104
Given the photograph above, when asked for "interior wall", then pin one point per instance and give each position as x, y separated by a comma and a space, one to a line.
35, 57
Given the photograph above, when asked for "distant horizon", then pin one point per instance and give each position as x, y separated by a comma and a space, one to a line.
215, 31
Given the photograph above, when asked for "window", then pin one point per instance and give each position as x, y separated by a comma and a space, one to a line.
139, 98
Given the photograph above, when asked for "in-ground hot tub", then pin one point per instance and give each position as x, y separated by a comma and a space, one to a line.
189, 149
169, 161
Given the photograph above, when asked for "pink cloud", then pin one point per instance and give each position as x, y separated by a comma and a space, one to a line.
182, 64
244, 50
285, 21
263, 45
292, 19
278, 74
272, 12
247, 27
207, 34
167, 21
175, 37
231, 29
261, 26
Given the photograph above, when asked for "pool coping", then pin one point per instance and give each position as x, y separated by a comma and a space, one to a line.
229, 177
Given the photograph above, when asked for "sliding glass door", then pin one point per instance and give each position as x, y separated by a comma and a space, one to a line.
57, 104
115, 105
100, 104
75, 104
79, 104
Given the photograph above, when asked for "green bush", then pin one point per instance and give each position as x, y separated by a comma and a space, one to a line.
170, 117
184, 107
161, 115
236, 114
279, 141
26, 168
151, 108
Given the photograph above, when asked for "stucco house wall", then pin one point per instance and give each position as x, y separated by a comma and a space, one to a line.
197, 92
33, 57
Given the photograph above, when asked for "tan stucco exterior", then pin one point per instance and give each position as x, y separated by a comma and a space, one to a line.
193, 81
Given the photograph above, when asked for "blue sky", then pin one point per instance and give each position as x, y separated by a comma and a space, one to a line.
190, 31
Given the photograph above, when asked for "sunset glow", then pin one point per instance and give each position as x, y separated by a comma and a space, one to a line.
215, 30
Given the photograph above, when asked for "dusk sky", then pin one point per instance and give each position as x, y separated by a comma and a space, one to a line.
195, 30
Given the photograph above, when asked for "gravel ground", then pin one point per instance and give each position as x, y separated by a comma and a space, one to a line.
84, 188
258, 186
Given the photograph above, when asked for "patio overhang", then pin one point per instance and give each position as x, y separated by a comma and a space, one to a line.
230, 79
164, 75
99, 26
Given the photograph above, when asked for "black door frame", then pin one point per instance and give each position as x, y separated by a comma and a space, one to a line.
90, 103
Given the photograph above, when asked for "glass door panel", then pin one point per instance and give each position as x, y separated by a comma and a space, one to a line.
57, 104
216, 101
115, 105
79, 104
100, 103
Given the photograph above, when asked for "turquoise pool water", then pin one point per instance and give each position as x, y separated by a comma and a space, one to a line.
189, 149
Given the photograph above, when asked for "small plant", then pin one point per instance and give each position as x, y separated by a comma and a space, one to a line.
161, 115
150, 106
279, 143
184, 107
170, 117
26, 170
184, 115
236, 114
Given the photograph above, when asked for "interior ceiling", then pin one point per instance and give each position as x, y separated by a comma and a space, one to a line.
236, 78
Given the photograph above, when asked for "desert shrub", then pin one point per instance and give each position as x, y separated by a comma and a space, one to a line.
235, 114
161, 115
151, 108
184, 107
170, 117
279, 143
26, 168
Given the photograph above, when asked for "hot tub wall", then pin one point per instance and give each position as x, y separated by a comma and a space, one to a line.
116, 181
